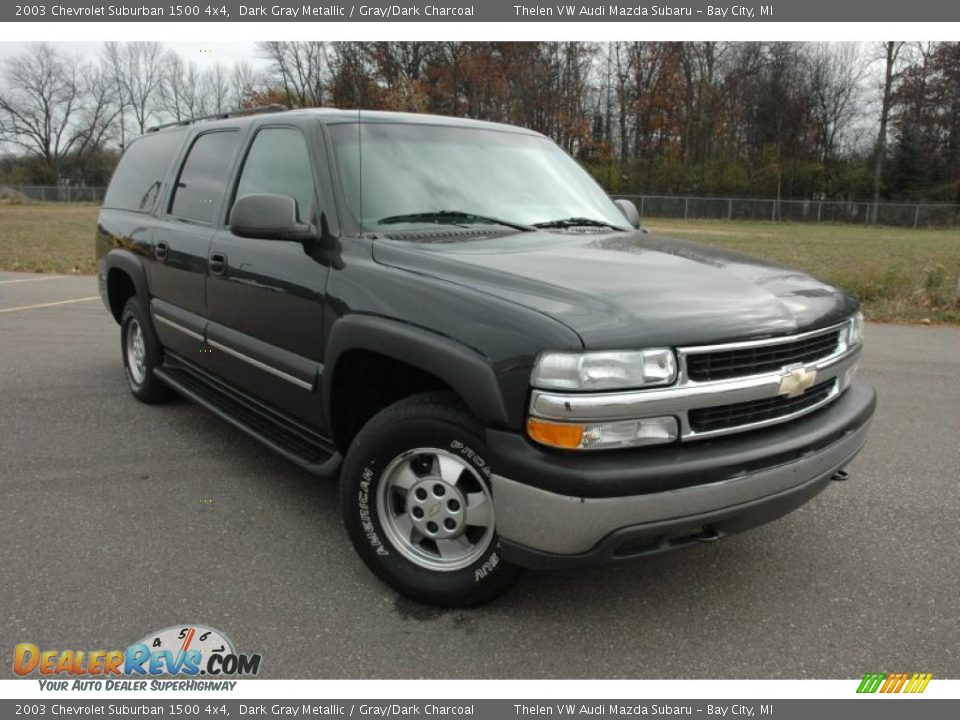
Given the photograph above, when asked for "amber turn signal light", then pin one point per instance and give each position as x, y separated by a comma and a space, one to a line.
558, 435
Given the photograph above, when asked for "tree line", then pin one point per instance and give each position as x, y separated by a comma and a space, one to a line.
830, 121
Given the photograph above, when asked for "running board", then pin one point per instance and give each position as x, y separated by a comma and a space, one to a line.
281, 434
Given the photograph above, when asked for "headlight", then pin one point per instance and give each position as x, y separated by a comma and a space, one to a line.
604, 370
855, 330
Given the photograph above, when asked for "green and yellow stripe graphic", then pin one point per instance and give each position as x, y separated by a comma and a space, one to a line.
894, 682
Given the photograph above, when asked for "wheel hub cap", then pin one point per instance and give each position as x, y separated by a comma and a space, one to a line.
136, 351
436, 509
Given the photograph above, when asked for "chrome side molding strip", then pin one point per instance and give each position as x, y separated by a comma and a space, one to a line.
234, 353
177, 326
260, 365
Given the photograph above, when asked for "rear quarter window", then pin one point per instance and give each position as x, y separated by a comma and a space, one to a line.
138, 179
203, 178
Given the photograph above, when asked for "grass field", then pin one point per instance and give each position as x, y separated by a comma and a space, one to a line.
48, 237
900, 275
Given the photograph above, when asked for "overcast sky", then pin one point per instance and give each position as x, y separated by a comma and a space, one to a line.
204, 54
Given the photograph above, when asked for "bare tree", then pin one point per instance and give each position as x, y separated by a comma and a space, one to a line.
111, 62
173, 89
99, 109
836, 71
244, 82
196, 101
302, 67
836, 74
216, 88
53, 105
185, 91
891, 51
137, 69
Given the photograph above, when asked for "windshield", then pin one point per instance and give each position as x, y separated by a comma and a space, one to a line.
416, 175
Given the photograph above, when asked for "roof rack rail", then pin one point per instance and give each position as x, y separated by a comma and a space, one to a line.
275, 107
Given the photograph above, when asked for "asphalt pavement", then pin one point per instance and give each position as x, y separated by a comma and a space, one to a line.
120, 518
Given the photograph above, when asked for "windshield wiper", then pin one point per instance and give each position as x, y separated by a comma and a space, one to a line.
575, 222
451, 217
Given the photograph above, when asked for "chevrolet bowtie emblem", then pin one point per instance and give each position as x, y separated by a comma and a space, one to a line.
796, 381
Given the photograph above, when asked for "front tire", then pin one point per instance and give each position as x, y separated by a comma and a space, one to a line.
416, 501
142, 353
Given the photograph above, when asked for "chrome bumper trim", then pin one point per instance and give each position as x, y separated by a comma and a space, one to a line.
688, 395
569, 525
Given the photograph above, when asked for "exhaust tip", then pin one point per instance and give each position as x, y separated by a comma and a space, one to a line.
840, 476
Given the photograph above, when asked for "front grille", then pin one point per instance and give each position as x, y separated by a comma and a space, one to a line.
740, 362
723, 417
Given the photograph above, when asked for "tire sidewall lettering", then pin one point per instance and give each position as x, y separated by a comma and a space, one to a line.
473, 457
488, 566
490, 563
366, 490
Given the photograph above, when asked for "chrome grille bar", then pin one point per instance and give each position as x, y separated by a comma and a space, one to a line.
688, 395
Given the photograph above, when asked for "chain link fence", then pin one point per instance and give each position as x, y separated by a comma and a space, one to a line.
52, 193
915, 215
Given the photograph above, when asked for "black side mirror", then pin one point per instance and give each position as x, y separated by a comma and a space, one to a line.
629, 211
269, 217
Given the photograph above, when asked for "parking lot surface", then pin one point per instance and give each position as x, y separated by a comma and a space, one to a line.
119, 519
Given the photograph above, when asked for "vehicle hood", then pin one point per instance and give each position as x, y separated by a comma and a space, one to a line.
625, 290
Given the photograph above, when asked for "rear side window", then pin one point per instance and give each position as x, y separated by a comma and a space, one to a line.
138, 179
279, 164
203, 177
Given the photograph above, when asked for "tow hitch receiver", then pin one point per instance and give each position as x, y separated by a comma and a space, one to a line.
707, 535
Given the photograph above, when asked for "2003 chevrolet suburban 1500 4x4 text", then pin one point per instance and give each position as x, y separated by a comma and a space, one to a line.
453, 319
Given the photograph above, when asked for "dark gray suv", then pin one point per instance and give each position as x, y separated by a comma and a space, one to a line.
455, 321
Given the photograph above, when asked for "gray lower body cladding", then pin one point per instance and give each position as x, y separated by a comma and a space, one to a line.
539, 527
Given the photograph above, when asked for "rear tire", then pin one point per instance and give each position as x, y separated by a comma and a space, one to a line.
142, 354
416, 502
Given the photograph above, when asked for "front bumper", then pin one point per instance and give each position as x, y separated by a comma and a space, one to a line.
557, 508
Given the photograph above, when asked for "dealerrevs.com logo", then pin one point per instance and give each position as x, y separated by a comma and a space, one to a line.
184, 651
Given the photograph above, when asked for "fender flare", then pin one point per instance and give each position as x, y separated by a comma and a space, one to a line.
465, 370
128, 262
